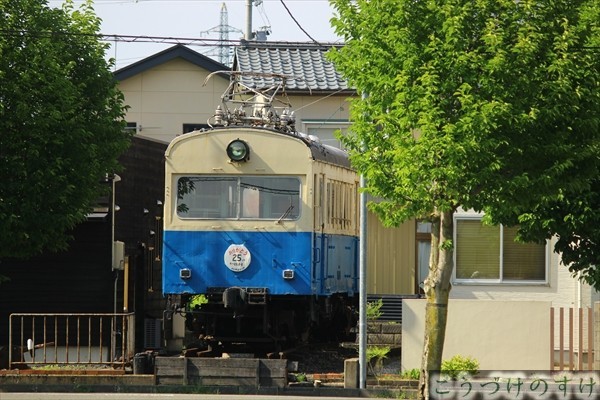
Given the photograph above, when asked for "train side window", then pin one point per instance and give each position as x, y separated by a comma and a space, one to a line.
319, 200
341, 205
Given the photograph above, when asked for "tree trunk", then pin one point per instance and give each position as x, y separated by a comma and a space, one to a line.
437, 289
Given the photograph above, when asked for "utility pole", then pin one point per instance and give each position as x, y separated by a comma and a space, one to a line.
248, 35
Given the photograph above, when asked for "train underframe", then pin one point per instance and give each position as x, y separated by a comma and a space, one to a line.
251, 315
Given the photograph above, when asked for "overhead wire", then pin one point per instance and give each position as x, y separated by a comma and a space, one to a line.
141, 38
171, 40
297, 23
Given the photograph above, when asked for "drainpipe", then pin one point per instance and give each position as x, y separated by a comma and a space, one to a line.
116, 178
579, 300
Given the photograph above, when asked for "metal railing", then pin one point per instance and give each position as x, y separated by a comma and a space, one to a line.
71, 339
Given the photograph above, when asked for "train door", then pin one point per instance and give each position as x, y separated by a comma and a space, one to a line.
342, 245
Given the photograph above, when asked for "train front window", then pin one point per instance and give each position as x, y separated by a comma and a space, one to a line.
238, 197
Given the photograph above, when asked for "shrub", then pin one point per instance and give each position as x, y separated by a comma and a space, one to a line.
375, 356
374, 309
377, 352
196, 302
459, 367
413, 374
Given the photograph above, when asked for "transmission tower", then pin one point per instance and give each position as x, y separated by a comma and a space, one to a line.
224, 36
222, 51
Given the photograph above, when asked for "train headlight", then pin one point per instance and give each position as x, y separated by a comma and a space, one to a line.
238, 150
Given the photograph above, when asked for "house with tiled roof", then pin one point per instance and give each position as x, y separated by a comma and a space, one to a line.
168, 93
317, 92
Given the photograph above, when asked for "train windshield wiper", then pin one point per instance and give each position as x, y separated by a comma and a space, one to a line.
285, 214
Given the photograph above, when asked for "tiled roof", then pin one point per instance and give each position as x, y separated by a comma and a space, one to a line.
305, 62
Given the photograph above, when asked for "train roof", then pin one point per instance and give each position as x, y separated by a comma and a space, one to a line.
244, 107
319, 151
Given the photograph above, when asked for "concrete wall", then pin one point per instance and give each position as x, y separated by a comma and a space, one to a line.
501, 335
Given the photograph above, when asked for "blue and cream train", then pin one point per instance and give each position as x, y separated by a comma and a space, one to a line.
263, 222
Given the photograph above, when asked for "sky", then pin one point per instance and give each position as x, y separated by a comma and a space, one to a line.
200, 19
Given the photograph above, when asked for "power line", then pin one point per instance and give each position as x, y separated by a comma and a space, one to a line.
297, 23
259, 2
183, 40
148, 39
119, 38
166, 39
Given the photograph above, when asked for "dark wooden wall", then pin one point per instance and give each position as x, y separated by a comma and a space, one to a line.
138, 224
81, 279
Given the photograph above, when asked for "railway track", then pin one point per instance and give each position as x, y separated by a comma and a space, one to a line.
322, 358
323, 361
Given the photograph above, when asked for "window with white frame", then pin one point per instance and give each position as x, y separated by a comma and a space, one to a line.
489, 254
132, 127
325, 130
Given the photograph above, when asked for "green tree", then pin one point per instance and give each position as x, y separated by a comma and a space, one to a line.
574, 221
61, 122
490, 105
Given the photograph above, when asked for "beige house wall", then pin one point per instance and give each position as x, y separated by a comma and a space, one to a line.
313, 107
501, 335
562, 290
169, 95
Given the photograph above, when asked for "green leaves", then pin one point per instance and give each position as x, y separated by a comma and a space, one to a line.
61, 123
491, 105
503, 96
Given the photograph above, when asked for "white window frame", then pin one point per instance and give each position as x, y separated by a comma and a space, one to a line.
501, 280
342, 125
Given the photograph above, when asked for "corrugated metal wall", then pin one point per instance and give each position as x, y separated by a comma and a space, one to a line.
390, 257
